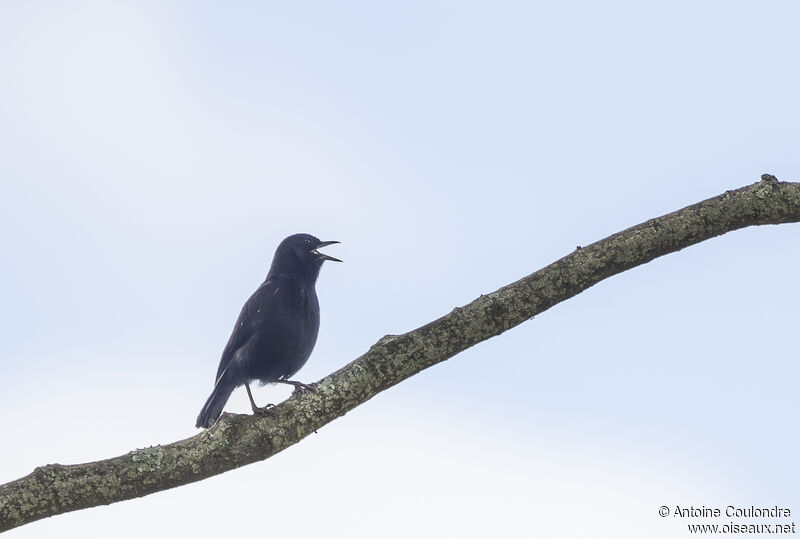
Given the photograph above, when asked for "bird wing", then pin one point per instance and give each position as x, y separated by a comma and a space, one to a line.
252, 317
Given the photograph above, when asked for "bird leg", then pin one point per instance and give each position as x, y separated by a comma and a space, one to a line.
268, 409
299, 386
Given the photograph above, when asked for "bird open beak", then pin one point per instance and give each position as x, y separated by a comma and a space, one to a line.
323, 256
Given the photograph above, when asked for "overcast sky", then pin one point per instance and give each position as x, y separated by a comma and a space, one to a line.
153, 155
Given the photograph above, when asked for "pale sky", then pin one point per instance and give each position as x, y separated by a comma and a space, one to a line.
153, 155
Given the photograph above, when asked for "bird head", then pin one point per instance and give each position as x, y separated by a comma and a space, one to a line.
299, 256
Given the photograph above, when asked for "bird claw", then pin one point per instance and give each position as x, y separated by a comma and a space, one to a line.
264, 410
305, 387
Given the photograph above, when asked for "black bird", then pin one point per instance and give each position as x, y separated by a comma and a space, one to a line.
277, 328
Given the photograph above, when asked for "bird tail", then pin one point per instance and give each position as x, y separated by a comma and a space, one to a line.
216, 402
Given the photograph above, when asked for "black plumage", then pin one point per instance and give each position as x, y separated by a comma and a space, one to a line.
277, 328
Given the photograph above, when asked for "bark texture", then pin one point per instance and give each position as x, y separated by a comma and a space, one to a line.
237, 440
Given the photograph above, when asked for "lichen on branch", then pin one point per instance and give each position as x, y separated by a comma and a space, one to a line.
237, 440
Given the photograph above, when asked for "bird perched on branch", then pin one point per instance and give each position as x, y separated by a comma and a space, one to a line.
277, 328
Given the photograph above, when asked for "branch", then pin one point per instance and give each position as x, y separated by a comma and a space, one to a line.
237, 440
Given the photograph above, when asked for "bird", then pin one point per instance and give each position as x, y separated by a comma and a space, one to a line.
276, 329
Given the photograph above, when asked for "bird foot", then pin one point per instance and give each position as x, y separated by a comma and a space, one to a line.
304, 387
299, 386
264, 410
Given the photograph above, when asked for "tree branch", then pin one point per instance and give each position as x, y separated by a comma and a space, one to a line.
237, 440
